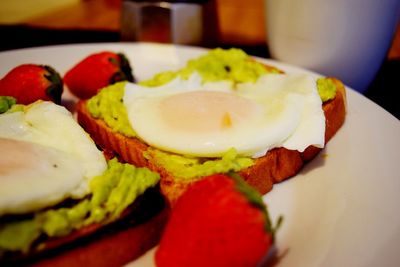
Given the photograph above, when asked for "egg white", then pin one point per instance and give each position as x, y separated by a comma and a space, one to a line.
35, 176
207, 119
52, 126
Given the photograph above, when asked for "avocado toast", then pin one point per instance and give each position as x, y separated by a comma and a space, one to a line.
62, 202
106, 119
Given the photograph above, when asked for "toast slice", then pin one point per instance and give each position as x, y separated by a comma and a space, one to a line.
275, 166
138, 230
117, 218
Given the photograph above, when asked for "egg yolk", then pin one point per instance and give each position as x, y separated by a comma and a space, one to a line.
206, 111
20, 156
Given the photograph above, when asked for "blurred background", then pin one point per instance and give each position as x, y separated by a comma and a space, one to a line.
234, 23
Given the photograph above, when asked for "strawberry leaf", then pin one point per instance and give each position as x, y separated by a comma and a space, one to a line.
55, 89
125, 71
255, 198
126, 67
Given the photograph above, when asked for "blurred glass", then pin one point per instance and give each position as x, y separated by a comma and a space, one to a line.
187, 22
348, 39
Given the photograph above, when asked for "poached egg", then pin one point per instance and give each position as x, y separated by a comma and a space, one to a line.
207, 119
46, 158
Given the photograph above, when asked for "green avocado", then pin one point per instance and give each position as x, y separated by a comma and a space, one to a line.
326, 89
184, 167
160, 79
107, 105
112, 192
6, 103
218, 64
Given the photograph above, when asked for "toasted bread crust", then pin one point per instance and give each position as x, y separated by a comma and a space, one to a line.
280, 163
128, 149
115, 249
277, 165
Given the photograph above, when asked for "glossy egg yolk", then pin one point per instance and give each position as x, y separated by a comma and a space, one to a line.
206, 111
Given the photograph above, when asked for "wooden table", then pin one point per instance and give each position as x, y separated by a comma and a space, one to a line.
240, 22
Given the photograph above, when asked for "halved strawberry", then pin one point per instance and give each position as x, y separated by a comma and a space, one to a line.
219, 221
30, 82
96, 71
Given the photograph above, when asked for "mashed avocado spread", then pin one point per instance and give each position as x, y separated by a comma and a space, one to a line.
6, 102
112, 192
186, 167
107, 105
218, 64
326, 89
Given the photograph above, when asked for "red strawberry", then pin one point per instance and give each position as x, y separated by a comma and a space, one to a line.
219, 221
97, 71
31, 82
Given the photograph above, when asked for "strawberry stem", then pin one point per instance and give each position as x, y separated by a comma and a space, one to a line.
124, 72
254, 198
126, 67
55, 89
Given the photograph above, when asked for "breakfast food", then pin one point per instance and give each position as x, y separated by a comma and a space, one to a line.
222, 112
229, 226
96, 71
6, 102
58, 193
30, 82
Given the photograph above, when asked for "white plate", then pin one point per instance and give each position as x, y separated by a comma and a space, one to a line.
342, 209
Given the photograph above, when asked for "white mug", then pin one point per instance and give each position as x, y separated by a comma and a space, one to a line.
347, 39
